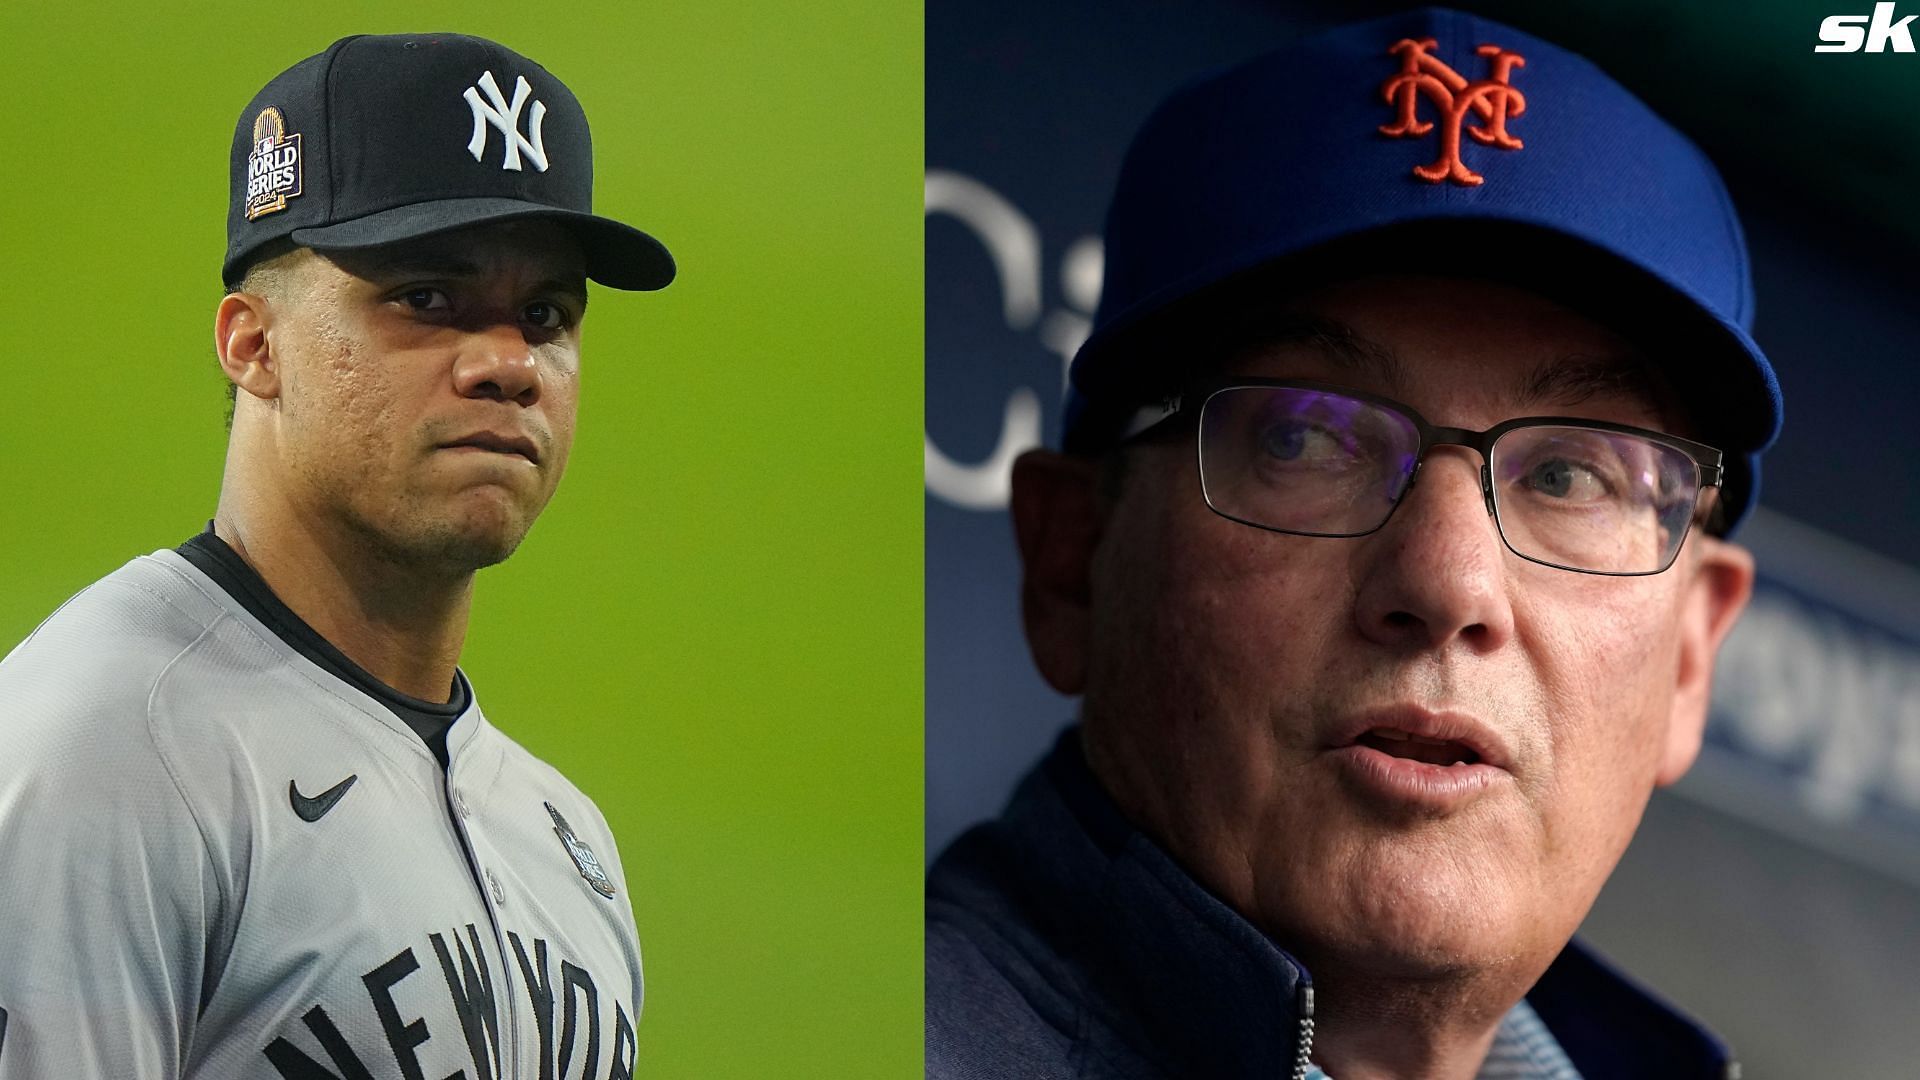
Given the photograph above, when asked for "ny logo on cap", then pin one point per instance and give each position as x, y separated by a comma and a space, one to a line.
1492, 99
506, 117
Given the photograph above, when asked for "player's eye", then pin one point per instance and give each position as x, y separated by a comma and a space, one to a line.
544, 315
423, 298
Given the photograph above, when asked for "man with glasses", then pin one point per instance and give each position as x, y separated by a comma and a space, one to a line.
1388, 553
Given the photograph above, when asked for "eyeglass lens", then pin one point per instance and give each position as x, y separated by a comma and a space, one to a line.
1319, 463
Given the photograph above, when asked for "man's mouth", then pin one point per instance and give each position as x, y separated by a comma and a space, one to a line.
1414, 733
1402, 744
499, 444
1409, 756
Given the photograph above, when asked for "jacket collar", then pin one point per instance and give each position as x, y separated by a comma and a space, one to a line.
1188, 983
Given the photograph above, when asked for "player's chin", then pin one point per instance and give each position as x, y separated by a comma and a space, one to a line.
481, 528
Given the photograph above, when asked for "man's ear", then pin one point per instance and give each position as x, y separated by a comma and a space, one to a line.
1057, 518
1717, 591
245, 348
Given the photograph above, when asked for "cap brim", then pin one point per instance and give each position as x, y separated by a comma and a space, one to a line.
618, 256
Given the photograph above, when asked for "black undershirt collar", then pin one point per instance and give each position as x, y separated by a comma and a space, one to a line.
428, 719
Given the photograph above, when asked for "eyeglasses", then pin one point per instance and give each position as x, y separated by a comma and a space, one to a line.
1311, 459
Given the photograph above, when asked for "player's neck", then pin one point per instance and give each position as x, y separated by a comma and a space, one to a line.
404, 627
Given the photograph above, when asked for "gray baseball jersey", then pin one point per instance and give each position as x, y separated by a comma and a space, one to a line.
220, 859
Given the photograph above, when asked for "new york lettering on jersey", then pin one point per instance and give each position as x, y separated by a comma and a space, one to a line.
574, 1032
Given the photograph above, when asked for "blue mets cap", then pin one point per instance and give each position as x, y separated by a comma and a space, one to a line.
1435, 142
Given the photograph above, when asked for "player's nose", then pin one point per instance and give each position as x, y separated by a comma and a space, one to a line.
497, 362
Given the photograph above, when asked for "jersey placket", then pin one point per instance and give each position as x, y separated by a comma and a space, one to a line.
492, 895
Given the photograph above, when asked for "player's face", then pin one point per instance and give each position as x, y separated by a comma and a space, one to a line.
1226, 669
429, 389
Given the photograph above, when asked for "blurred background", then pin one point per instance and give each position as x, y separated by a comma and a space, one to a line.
1776, 891
715, 629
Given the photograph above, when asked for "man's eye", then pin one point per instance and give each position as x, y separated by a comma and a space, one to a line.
1570, 480
425, 299
1295, 441
544, 315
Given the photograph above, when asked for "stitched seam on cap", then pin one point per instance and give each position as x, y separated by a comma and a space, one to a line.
1743, 297
326, 102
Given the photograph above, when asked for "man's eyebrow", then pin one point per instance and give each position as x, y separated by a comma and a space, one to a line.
453, 266
571, 288
1336, 341
1566, 380
1577, 378
423, 265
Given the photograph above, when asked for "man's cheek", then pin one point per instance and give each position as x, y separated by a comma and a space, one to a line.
1610, 676
1597, 638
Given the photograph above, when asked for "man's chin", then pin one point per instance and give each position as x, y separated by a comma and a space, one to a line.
475, 538
1406, 917
470, 552
485, 527
477, 543
1411, 950
1437, 953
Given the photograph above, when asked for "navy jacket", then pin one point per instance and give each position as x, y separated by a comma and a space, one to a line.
1061, 942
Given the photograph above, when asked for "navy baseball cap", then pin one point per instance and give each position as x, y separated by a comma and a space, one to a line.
1433, 142
388, 138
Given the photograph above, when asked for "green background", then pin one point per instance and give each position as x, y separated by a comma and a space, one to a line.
716, 628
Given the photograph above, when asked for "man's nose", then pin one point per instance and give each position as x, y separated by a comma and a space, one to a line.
1436, 573
496, 361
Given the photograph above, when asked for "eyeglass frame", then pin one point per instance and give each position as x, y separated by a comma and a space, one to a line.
1707, 460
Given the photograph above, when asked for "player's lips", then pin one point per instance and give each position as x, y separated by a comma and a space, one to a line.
1406, 755
497, 443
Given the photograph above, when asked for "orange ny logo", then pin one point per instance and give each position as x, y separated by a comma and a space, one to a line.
1491, 99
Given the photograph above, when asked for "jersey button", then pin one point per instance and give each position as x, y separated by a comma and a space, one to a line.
493, 885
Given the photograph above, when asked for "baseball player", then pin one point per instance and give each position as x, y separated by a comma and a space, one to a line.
253, 821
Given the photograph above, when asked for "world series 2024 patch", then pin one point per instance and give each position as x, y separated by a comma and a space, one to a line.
583, 856
273, 166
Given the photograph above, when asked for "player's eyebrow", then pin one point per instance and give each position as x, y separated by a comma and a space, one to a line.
574, 289
453, 267
415, 264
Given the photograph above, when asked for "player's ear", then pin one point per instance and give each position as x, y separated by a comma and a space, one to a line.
1057, 518
242, 340
1720, 580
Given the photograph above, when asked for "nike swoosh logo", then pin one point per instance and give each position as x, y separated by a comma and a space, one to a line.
316, 808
